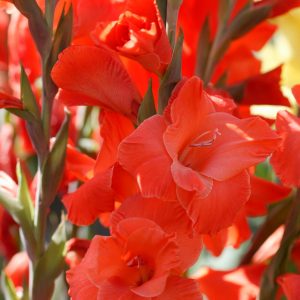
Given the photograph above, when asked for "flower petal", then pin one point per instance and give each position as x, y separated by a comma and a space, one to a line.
243, 281
241, 143
220, 208
178, 288
187, 112
263, 193
285, 160
190, 180
143, 154
166, 214
90, 199
114, 128
7, 101
94, 73
233, 236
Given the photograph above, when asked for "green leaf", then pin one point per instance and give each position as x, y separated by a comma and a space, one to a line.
147, 108
21, 214
277, 215
37, 24
24, 114
162, 6
279, 261
8, 288
203, 49
31, 114
24, 196
62, 39
55, 162
63, 35
51, 264
11, 204
26, 214
27, 96
172, 75
36, 134
246, 20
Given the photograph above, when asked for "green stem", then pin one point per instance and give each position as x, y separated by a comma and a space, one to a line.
220, 42
278, 263
172, 16
275, 218
49, 11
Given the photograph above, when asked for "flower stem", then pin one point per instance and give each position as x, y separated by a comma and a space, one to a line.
172, 16
277, 265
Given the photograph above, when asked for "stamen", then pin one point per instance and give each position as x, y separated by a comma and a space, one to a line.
136, 261
210, 135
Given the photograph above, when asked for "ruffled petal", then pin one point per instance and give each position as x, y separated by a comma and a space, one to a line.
78, 165
94, 73
178, 288
188, 109
189, 180
220, 208
285, 160
90, 199
114, 128
239, 144
81, 286
233, 236
167, 215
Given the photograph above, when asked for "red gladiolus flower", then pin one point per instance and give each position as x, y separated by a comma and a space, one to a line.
87, 13
139, 33
165, 214
139, 261
286, 164
199, 155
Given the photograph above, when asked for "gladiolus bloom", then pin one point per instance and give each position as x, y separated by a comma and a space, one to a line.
139, 33
137, 262
198, 155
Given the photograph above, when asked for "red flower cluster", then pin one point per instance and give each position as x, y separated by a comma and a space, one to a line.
165, 184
